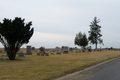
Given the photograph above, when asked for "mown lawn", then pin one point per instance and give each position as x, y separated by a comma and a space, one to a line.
33, 67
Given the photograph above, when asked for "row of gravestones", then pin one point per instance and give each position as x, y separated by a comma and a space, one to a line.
42, 51
64, 49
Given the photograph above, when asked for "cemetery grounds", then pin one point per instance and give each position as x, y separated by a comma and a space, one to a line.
34, 67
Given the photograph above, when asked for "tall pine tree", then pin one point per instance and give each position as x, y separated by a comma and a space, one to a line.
95, 32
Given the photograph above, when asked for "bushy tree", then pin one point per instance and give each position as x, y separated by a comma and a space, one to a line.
84, 41
81, 40
95, 32
13, 34
78, 38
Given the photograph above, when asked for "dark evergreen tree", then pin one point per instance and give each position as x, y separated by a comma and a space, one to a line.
81, 40
95, 32
13, 34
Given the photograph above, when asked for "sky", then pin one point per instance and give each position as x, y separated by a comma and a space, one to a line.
56, 22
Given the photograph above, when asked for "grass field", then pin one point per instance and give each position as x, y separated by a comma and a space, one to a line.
33, 67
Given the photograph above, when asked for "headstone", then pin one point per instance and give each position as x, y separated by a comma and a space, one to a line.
46, 54
76, 48
42, 54
76, 51
29, 50
58, 53
21, 54
94, 49
52, 53
57, 49
33, 48
42, 51
65, 50
89, 49
38, 54
83, 50
62, 47
71, 50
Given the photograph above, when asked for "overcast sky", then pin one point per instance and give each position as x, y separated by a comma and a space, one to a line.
56, 22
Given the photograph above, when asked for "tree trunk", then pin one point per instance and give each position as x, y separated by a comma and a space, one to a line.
96, 46
11, 53
12, 56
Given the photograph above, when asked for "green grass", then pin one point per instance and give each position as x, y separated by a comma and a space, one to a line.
33, 67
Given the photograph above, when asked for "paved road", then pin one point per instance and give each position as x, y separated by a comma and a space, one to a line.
109, 70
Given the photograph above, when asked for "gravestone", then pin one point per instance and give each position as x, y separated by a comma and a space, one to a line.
33, 48
76, 51
58, 53
21, 54
89, 49
42, 51
42, 54
66, 50
62, 48
46, 54
38, 54
52, 53
83, 50
76, 48
28, 50
71, 50
57, 49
